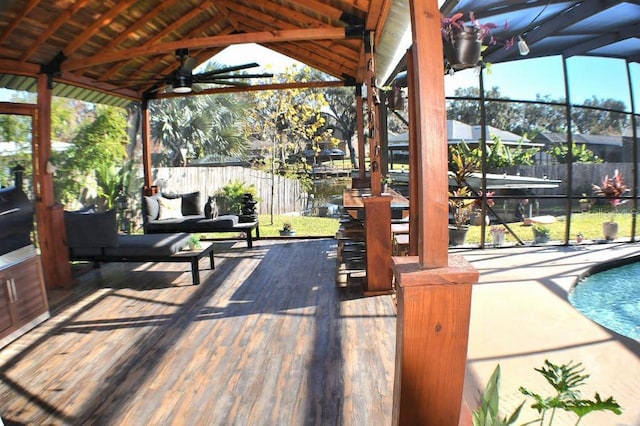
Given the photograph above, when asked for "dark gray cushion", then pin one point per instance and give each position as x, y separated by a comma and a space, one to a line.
91, 229
151, 245
191, 204
194, 224
150, 207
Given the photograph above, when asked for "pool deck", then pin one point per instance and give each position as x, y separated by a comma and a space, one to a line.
521, 316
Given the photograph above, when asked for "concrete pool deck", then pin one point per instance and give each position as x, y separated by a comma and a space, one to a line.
521, 316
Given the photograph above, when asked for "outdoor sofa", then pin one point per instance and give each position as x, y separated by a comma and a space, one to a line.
93, 236
167, 213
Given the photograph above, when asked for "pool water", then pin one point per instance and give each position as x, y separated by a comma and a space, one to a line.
612, 299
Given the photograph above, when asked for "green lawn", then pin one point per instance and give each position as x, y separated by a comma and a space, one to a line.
589, 224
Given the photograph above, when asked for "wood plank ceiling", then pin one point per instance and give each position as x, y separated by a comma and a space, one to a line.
116, 46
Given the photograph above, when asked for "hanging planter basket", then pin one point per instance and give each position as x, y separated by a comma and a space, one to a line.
463, 47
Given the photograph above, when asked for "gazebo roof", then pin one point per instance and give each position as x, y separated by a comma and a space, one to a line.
96, 44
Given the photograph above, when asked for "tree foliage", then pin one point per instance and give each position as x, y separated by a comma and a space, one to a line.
203, 125
341, 102
580, 154
99, 145
290, 120
596, 116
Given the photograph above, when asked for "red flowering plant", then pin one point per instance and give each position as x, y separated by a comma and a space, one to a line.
612, 188
477, 204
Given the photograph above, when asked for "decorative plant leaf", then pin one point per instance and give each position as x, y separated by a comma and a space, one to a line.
583, 407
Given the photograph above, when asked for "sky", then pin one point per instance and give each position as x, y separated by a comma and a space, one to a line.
603, 78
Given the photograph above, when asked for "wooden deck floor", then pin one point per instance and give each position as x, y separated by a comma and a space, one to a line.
266, 339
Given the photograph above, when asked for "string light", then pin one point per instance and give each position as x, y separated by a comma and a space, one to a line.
523, 48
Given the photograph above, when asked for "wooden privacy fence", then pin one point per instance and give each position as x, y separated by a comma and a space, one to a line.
584, 176
288, 196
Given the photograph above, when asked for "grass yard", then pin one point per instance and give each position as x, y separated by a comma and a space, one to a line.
589, 224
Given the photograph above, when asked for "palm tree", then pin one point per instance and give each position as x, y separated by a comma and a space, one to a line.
201, 125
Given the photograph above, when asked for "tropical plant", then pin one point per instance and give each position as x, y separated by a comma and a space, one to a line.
541, 230
461, 206
231, 196
565, 379
99, 145
201, 126
488, 413
612, 188
579, 154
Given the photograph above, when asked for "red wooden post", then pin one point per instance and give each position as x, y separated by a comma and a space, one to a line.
377, 212
434, 289
434, 306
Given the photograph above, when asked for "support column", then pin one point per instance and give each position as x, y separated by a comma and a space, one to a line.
50, 219
434, 306
146, 149
377, 214
434, 289
361, 181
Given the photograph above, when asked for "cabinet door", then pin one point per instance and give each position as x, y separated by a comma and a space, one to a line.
31, 299
6, 317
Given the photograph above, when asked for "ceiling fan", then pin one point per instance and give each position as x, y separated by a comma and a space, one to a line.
183, 80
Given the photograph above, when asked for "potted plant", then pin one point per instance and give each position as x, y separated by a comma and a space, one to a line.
541, 233
476, 213
585, 204
194, 242
286, 230
612, 188
498, 234
460, 206
462, 42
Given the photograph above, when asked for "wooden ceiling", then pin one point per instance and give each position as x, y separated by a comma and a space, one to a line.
98, 43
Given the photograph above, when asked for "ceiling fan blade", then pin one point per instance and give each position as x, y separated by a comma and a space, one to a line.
208, 79
230, 69
187, 64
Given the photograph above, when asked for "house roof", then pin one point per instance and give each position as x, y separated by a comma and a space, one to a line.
116, 46
551, 137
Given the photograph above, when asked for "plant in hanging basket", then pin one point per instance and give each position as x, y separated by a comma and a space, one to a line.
462, 42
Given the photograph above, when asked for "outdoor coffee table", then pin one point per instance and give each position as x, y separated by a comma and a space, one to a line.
194, 256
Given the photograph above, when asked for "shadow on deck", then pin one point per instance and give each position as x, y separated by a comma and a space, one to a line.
267, 338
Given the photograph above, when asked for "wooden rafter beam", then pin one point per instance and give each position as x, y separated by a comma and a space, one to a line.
209, 42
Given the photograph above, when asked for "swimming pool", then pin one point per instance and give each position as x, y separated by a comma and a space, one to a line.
612, 299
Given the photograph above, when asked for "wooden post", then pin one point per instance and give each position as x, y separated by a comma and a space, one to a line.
361, 181
434, 307
146, 147
434, 289
377, 213
51, 230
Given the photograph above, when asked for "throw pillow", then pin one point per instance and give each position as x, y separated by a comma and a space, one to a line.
91, 229
150, 207
191, 204
170, 208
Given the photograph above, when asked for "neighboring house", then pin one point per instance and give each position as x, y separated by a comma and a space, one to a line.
456, 133
610, 149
